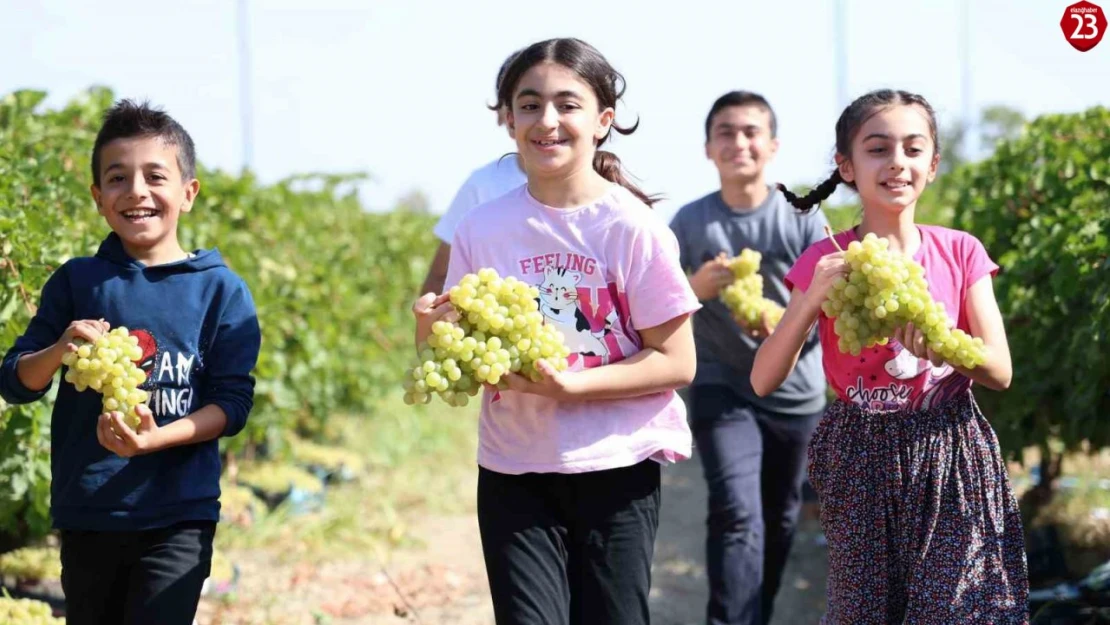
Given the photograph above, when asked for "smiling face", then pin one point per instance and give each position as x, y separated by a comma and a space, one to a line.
141, 193
556, 119
740, 142
893, 157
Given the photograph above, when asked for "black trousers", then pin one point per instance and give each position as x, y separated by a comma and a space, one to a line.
150, 577
754, 464
570, 549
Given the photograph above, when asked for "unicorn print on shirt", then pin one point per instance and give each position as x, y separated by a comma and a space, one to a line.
558, 302
906, 366
938, 386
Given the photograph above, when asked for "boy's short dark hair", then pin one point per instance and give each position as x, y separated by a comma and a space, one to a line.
127, 119
740, 98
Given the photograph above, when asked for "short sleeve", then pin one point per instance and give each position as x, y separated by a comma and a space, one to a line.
657, 287
678, 228
459, 263
813, 227
977, 262
801, 274
466, 198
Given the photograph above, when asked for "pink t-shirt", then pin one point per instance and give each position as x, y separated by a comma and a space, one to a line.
604, 270
888, 377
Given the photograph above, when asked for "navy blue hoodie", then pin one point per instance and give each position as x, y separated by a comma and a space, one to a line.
196, 324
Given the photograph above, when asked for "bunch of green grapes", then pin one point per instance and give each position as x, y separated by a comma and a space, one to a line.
745, 263
501, 330
744, 297
884, 291
26, 612
32, 563
108, 367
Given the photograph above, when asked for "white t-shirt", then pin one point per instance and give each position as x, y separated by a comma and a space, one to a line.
484, 184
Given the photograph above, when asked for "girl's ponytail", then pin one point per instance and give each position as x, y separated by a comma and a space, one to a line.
609, 167
817, 195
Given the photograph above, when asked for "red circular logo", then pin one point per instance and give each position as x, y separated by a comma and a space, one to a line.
1083, 24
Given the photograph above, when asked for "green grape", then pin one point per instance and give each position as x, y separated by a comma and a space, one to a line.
32, 564
885, 291
501, 330
744, 297
108, 367
27, 612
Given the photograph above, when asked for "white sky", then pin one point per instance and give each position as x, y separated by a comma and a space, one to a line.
399, 89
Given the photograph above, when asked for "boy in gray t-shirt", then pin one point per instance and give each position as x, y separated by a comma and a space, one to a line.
752, 449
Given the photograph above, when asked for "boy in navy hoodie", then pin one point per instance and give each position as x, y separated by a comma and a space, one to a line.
137, 509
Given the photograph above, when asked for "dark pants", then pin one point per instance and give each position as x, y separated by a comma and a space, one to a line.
136, 578
754, 464
570, 549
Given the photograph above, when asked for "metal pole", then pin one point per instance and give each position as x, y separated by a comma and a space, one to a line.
840, 41
971, 136
840, 58
245, 105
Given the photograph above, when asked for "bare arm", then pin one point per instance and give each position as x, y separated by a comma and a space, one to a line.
427, 310
437, 271
985, 321
37, 370
666, 362
778, 355
710, 278
203, 425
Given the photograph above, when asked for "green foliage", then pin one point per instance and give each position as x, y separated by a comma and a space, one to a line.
1039, 204
43, 193
332, 282
1000, 123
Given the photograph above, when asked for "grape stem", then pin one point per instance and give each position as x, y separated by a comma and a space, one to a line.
829, 233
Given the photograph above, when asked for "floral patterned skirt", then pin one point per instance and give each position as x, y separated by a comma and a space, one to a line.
921, 522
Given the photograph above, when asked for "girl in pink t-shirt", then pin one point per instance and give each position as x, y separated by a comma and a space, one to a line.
922, 524
569, 466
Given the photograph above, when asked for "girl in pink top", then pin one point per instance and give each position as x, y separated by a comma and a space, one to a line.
921, 522
569, 467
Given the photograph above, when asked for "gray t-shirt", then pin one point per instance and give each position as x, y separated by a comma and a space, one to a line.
705, 228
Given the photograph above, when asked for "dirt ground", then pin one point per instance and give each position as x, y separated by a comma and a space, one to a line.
443, 581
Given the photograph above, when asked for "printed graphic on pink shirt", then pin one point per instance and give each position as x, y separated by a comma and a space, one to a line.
886, 378
909, 381
586, 312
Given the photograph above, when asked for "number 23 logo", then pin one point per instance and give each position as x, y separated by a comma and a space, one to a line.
1083, 25
1091, 24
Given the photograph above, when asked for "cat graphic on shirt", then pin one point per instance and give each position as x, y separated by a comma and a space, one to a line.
558, 302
